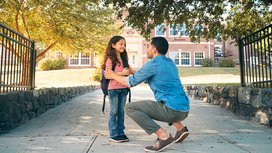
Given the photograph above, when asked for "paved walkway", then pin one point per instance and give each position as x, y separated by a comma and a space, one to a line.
78, 126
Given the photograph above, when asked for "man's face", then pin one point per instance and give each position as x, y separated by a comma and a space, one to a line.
150, 51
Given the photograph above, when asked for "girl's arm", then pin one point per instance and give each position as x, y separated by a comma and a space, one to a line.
109, 65
124, 72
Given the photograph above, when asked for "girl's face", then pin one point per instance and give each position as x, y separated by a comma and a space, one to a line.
120, 46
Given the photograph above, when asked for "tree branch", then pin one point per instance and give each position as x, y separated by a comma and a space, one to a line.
25, 26
40, 56
17, 21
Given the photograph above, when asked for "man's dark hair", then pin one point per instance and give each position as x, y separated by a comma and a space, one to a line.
161, 44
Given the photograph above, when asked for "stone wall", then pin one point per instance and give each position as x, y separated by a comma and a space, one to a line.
254, 103
17, 108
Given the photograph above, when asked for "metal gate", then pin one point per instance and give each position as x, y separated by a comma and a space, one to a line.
256, 57
17, 61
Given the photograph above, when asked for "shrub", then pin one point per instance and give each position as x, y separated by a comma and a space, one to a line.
207, 62
45, 64
58, 64
227, 63
97, 75
52, 64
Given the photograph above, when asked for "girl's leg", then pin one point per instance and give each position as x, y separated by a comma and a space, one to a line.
121, 115
112, 123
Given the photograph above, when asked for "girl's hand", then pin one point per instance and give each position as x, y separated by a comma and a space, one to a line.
109, 73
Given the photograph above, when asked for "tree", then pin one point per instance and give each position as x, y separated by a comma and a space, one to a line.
66, 25
204, 19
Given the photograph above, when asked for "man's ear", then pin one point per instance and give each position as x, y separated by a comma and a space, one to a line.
155, 51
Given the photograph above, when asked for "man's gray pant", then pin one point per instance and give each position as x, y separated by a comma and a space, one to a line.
145, 112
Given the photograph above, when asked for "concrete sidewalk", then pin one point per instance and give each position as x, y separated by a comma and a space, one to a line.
79, 126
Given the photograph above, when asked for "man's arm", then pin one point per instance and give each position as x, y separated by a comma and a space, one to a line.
109, 74
141, 75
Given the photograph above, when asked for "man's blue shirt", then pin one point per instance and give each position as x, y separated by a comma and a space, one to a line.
162, 76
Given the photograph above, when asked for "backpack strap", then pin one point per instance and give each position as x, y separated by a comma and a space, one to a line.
129, 95
126, 65
103, 106
104, 99
125, 62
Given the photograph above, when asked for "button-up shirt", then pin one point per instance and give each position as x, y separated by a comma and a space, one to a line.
162, 76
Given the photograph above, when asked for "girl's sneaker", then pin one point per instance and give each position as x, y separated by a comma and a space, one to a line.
124, 138
119, 139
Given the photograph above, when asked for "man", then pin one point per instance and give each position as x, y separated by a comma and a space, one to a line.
171, 105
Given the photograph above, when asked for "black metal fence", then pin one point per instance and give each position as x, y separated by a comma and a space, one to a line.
255, 58
17, 61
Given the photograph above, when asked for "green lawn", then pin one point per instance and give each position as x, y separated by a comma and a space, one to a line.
192, 71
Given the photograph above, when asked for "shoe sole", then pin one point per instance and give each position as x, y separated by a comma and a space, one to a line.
119, 141
182, 137
160, 149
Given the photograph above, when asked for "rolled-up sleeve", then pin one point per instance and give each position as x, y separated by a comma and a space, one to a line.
147, 71
127, 82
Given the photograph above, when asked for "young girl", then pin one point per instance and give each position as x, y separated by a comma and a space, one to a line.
115, 52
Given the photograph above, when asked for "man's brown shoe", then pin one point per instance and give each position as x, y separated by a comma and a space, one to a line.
181, 135
160, 144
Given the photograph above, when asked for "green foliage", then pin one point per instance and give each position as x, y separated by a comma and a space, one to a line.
45, 64
52, 64
97, 75
207, 62
227, 63
65, 25
204, 19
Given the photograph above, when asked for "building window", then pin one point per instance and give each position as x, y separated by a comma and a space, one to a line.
73, 60
133, 60
178, 30
159, 30
81, 59
183, 30
96, 59
180, 58
185, 58
198, 57
175, 57
173, 30
58, 54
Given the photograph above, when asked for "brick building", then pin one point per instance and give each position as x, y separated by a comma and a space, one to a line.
181, 50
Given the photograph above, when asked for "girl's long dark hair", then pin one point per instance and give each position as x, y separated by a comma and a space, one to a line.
111, 53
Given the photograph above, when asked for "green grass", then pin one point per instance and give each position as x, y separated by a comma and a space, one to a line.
193, 71
217, 84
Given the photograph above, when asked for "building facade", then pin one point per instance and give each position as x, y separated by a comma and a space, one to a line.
182, 51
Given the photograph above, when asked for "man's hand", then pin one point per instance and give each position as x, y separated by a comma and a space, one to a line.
109, 74
126, 72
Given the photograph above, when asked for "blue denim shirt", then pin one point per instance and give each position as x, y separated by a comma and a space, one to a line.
162, 76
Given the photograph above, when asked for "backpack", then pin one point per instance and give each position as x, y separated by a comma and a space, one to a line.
104, 83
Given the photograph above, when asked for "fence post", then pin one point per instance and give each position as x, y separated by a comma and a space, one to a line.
32, 65
241, 60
